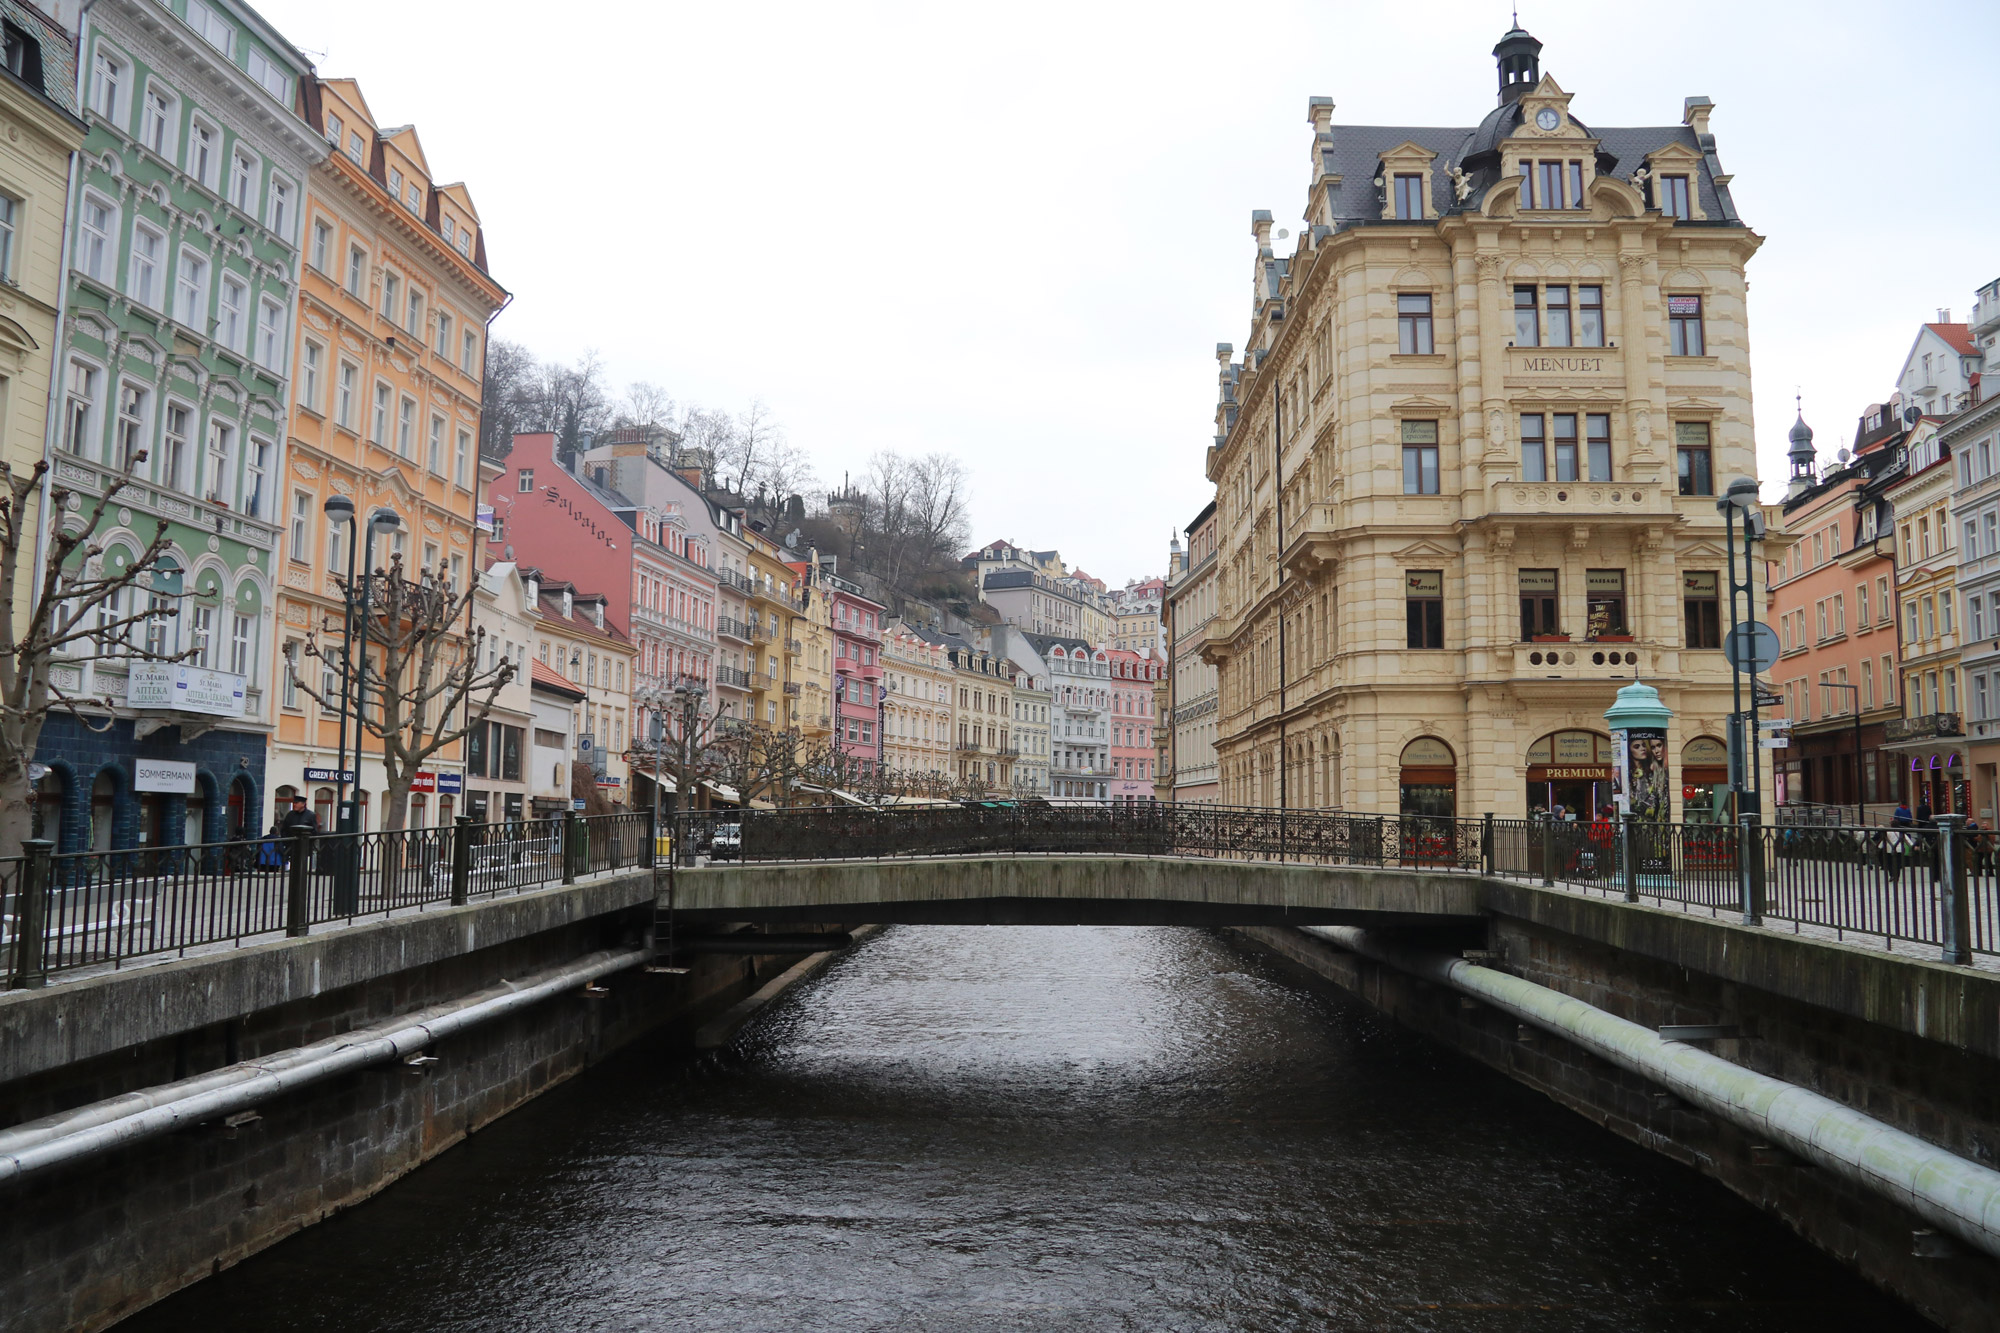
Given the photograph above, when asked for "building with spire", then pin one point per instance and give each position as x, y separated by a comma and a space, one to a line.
1436, 567
1832, 602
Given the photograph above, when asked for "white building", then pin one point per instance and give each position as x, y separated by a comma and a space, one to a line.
496, 751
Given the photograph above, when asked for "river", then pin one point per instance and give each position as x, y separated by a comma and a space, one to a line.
987, 1128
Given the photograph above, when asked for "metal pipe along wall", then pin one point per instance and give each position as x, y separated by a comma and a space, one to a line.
1943, 1188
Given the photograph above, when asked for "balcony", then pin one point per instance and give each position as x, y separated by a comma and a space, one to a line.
730, 578
729, 627
732, 677
795, 648
761, 632
792, 688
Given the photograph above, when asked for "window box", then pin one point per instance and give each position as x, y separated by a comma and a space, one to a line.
1550, 638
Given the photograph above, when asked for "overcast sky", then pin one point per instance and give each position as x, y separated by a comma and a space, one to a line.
1016, 232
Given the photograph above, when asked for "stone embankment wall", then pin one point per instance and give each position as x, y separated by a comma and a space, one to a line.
1944, 1091
96, 1239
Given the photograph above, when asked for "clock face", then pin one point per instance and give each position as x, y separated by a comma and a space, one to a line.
1547, 118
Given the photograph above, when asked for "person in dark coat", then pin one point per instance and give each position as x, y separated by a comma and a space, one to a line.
299, 819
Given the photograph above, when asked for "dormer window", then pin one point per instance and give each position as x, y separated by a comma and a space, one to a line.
1409, 196
1674, 197
1552, 184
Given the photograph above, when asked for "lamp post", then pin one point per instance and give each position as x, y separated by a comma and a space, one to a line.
382, 520
1741, 498
1854, 690
339, 509
688, 696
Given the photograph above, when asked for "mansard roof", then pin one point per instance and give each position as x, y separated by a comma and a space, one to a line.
1356, 150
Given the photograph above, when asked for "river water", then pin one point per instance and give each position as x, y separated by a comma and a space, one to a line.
1030, 1128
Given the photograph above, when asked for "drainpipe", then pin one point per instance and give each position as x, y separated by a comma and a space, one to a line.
103, 1126
1944, 1189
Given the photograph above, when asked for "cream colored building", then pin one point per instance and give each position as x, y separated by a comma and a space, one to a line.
916, 724
38, 103
1191, 705
1927, 747
1474, 441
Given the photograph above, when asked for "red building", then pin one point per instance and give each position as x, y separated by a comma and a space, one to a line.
659, 577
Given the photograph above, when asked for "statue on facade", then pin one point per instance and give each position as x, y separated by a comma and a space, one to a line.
1461, 183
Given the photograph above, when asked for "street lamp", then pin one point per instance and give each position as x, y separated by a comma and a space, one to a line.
1740, 498
1854, 690
688, 696
381, 521
340, 509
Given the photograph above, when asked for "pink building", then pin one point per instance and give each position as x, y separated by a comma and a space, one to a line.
1131, 720
658, 577
857, 665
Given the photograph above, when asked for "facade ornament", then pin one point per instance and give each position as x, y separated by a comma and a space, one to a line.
1461, 184
1638, 179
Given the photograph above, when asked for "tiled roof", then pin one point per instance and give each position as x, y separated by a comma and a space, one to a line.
1958, 335
550, 679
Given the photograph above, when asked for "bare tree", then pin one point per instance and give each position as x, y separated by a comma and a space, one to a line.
646, 404
511, 397
424, 684
576, 402
710, 437
786, 469
77, 612
744, 457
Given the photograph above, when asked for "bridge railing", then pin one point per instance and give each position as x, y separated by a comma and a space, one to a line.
61, 912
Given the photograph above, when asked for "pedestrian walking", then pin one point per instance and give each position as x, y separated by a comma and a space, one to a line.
299, 819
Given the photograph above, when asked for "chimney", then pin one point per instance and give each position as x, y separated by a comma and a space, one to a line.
1944, 315
1694, 114
1260, 227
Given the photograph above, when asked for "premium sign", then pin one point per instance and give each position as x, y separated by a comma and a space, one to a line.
184, 689
165, 775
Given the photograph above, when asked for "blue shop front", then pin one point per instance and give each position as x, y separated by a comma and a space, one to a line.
118, 788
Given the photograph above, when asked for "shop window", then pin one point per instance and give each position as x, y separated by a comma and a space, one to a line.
1604, 599
1701, 605
1539, 603
1423, 602
1692, 458
1684, 332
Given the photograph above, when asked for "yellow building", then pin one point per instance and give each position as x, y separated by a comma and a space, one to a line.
917, 722
1472, 445
38, 104
394, 298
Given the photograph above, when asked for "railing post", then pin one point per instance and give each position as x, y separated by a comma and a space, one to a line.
572, 844
31, 917
1749, 854
298, 900
1548, 853
461, 861
1955, 911
651, 852
1625, 857
1486, 843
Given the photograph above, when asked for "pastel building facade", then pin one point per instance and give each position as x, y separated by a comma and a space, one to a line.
389, 342
917, 720
183, 244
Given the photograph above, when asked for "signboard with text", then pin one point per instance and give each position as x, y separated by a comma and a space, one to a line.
163, 775
184, 689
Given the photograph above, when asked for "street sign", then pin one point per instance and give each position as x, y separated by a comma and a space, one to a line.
1751, 646
577, 804
329, 775
1776, 742
1775, 723
1768, 698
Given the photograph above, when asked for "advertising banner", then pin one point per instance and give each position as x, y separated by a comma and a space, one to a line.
164, 775
1639, 784
185, 689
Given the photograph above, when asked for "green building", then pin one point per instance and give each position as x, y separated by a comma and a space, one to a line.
183, 274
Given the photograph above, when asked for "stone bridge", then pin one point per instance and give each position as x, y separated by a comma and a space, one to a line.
1073, 891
